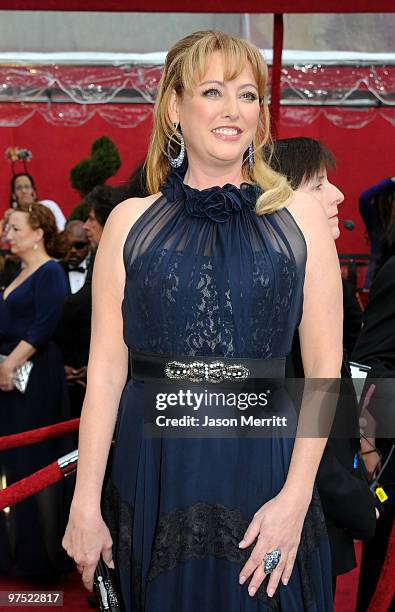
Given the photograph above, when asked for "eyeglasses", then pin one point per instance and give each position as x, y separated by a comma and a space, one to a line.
78, 245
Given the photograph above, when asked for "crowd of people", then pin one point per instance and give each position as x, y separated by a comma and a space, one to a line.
46, 272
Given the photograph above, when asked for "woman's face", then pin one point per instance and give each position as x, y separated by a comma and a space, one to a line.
23, 190
328, 195
220, 119
20, 235
93, 228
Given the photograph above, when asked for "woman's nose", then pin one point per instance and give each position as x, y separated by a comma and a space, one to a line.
230, 108
338, 196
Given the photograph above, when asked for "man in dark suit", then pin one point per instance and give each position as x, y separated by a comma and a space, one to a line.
74, 327
76, 262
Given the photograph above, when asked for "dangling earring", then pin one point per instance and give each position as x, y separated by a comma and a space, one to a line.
251, 158
176, 162
35, 246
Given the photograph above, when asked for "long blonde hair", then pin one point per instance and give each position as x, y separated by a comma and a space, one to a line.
185, 62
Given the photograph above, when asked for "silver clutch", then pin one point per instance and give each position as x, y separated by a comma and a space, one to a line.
20, 376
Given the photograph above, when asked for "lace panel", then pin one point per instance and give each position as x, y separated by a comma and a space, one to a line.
196, 532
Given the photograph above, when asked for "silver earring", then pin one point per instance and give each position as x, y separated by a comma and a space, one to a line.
251, 158
176, 162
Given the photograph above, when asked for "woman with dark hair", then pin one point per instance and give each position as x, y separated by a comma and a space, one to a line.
301, 160
29, 310
23, 193
23, 190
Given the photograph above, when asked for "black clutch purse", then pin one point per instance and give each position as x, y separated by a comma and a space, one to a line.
106, 588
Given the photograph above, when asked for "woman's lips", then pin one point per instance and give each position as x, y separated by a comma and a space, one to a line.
230, 133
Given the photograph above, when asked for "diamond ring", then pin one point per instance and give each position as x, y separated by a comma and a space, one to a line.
271, 561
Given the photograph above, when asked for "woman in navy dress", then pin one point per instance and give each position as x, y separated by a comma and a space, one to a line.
221, 262
29, 310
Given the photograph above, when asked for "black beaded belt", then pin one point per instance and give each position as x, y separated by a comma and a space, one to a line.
212, 369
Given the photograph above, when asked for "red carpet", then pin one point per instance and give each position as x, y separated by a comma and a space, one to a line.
75, 596
347, 585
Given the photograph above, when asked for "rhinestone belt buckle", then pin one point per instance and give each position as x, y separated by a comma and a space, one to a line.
198, 371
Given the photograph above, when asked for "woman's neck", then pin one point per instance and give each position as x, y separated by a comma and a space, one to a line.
34, 259
200, 176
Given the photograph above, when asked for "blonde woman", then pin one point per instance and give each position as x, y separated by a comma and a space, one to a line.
221, 263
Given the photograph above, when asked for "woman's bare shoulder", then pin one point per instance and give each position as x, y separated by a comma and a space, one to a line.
127, 213
132, 208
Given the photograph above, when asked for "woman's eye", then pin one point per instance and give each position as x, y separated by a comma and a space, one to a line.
249, 95
212, 92
318, 187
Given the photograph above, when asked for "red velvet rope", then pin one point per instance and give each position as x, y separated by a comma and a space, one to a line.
278, 36
385, 589
37, 435
31, 484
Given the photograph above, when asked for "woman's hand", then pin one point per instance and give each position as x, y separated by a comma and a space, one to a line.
276, 525
6, 374
86, 538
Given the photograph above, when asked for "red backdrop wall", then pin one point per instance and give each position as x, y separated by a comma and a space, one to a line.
364, 156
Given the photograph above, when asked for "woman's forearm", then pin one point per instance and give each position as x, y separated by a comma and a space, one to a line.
21, 353
306, 457
318, 409
97, 425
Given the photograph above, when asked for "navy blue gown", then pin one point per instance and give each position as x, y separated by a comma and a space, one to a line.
31, 532
205, 275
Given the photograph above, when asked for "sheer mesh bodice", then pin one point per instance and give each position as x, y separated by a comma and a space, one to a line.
207, 275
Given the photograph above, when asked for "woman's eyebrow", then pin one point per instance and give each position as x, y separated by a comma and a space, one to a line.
223, 84
216, 82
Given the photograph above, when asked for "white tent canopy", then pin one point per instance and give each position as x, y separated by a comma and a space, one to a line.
41, 31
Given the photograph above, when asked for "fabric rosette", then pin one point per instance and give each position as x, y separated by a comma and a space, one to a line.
215, 203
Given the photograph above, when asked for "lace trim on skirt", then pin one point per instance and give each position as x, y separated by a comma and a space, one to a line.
195, 532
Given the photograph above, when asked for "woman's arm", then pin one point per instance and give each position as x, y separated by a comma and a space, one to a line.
86, 535
278, 524
49, 293
320, 329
